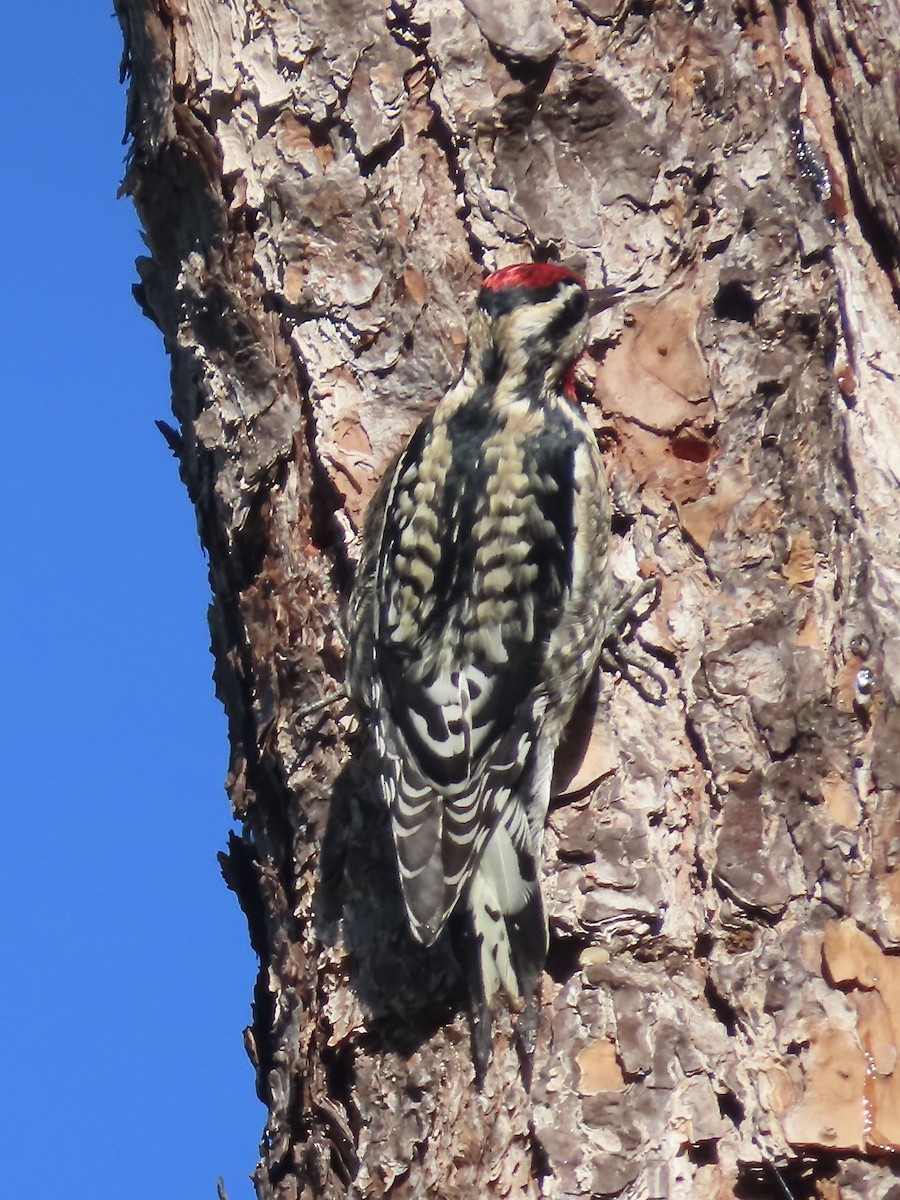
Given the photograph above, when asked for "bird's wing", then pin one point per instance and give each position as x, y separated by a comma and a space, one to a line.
462, 628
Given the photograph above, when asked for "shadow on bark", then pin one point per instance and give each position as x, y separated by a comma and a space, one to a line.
409, 990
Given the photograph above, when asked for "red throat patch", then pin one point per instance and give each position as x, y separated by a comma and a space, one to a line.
568, 383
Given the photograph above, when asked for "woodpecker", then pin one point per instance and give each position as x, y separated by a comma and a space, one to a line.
476, 621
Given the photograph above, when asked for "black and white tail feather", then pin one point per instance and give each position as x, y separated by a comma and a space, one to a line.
476, 622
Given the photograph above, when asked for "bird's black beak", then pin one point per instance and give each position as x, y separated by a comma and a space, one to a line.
600, 299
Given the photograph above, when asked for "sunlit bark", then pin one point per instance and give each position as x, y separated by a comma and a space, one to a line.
322, 186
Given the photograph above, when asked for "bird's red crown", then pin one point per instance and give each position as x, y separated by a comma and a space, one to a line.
531, 276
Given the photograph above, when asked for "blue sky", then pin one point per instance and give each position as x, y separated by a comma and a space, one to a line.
126, 973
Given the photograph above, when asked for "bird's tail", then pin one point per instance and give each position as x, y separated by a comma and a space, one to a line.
510, 933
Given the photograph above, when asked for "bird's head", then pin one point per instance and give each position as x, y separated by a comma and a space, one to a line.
533, 318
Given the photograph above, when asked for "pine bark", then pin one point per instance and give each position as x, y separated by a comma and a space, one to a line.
322, 186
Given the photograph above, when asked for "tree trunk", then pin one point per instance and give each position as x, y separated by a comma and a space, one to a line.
322, 186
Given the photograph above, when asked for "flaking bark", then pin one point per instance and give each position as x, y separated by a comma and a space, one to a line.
322, 185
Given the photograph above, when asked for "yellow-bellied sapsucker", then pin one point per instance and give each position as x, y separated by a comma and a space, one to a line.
476, 622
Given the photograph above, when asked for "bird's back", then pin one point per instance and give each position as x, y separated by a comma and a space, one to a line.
479, 601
